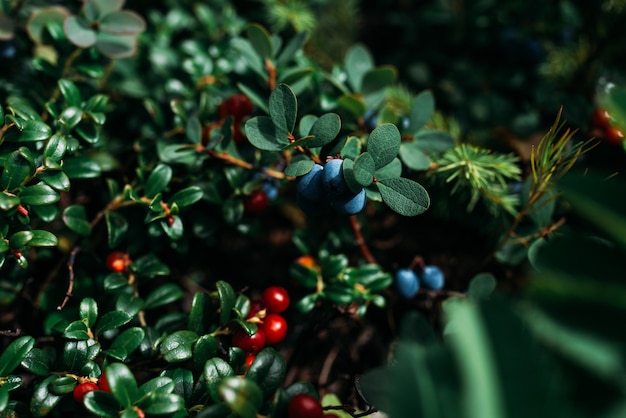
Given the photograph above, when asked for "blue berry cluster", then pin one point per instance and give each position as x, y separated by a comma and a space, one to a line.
325, 185
408, 282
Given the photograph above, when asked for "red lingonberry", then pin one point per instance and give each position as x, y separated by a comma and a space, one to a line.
614, 135
255, 307
275, 328
238, 106
103, 384
249, 359
255, 202
275, 299
22, 210
117, 261
601, 118
170, 220
83, 389
251, 344
304, 406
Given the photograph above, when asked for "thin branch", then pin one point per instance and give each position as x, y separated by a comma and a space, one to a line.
70, 269
356, 228
9, 333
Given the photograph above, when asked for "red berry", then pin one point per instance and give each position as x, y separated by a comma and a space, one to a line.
251, 344
238, 106
255, 307
103, 384
83, 389
140, 413
22, 210
601, 118
614, 135
117, 261
255, 202
304, 406
170, 220
275, 328
249, 359
275, 299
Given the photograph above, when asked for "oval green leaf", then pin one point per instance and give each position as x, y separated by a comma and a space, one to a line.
383, 144
404, 196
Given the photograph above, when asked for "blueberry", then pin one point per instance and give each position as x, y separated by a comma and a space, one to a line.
310, 184
7, 50
432, 277
371, 119
349, 203
270, 189
405, 122
407, 283
333, 180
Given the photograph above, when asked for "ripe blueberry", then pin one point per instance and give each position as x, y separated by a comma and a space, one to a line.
349, 203
332, 179
407, 283
309, 185
432, 277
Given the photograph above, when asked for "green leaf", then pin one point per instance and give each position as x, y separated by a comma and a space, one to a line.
434, 141
78, 32
8, 202
117, 228
158, 180
199, 313
215, 370
57, 180
122, 383
17, 167
598, 200
43, 238
413, 156
404, 196
352, 104
283, 109
299, 166
324, 130
260, 40
206, 347
481, 286
164, 404
375, 83
422, 110
37, 362
290, 50
35, 130
62, 385
115, 45
123, 22
42, 401
39, 194
358, 62
112, 320
364, 168
163, 295
150, 266
81, 168
70, 117
187, 196
178, 346
13, 355
20, 239
261, 132
243, 396
76, 330
70, 92
76, 354
55, 148
126, 342
383, 144
88, 311
101, 404
227, 300
75, 217
268, 371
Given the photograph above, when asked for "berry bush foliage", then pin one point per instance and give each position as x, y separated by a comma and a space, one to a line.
204, 215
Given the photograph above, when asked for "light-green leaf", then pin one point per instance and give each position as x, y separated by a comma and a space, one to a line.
262, 133
283, 108
383, 144
75, 217
261, 41
404, 196
358, 61
422, 110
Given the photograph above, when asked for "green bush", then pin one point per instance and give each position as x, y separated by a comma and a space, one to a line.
165, 165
